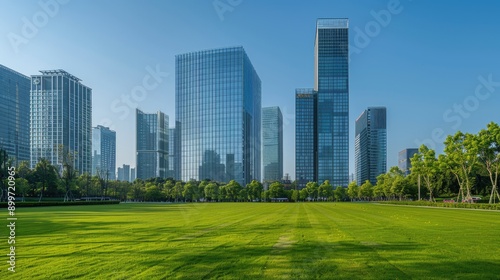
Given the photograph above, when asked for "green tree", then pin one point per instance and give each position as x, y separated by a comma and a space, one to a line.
255, 189
137, 190
153, 192
232, 190
488, 142
201, 189
168, 190
340, 194
365, 191
276, 190
69, 174
190, 191
212, 191
353, 190
461, 157
22, 187
325, 190
312, 190
425, 165
177, 191
45, 174
303, 194
295, 195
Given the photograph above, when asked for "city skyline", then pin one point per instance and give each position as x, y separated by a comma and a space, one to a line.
440, 75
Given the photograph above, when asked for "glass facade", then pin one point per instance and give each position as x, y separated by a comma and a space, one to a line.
173, 168
218, 116
322, 123
103, 152
404, 160
272, 144
61, 116
152, 145
124, 173
371, 145
331, 54
15, 114
306, 151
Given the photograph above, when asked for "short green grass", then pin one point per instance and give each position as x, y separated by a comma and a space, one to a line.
254, 241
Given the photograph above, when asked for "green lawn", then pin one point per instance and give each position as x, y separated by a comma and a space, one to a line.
254, 241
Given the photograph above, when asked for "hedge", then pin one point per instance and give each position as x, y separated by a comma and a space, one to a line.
58, 203
446, 205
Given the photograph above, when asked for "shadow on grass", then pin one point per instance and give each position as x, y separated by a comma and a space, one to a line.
298, 260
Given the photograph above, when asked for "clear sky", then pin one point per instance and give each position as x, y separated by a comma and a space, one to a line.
424, 63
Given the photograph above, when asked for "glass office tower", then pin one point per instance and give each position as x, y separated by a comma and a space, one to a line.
103, 152
331, 57
61, 119
218, 115
272, 144
370, 145
151, 145
326, 157
15, 114
306, 151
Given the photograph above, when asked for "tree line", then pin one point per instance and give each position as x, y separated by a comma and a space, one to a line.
469, 165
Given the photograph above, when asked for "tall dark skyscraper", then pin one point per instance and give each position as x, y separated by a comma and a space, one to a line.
306, 150
404, 159
103, 152
218, 115
61, 120
152, 145
15, 114
272, 144
370, 146
330, 116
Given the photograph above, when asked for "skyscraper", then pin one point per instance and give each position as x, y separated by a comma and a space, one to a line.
103, 152
173, 169
218, 115
124, 173
322, 123
370, 147
152, 145
306, 151
132, 175
272, 144
61, 119
15, 114
404, 160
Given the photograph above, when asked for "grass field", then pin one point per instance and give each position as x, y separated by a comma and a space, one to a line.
254, 241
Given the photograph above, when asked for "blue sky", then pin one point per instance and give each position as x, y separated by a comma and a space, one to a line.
425, 64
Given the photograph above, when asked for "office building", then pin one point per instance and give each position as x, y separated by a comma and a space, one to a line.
272, 144
15, 114
173, 167
218, 116
306, 151
404, 161
132, 175
61, 120
328, 144
370, 147
103, 152
124, 173
152, 145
